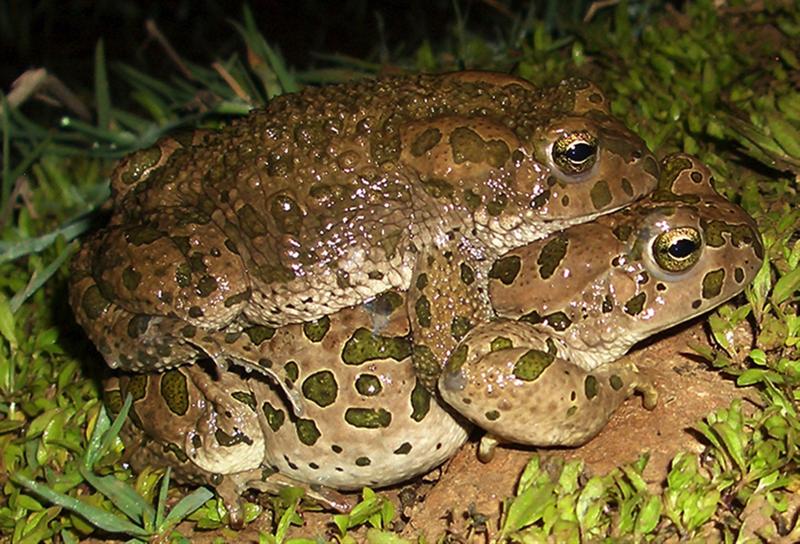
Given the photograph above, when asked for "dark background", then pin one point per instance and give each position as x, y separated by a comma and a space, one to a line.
62, 36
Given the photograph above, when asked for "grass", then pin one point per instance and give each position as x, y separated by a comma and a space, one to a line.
721, 83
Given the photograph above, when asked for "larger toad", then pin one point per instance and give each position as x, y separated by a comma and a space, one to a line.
334, 195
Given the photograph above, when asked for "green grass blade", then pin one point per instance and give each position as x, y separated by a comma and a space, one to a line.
128, 120
162, 498
25, 129
117, 138
120, 493
94, 515
30, 157
186, 506
40, 277
7, 331
143, 82
104, 434
116, 425
93, 448
7, 181
13, 250
285, 522
786, 286
101, 90
255, 41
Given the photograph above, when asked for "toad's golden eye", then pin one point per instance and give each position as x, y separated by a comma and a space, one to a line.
575, 152
678, 249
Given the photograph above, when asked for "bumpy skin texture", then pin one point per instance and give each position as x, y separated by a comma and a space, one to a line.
548, 373
553, 376
334, 195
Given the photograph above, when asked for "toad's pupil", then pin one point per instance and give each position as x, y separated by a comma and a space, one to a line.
580, 152
681, 249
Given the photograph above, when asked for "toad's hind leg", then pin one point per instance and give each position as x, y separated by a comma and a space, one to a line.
143, 292
153, 301
519, 384
205, 430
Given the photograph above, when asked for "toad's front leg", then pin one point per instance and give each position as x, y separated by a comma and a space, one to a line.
519, 384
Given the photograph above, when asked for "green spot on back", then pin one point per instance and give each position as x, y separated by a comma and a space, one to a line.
259, 333
551, 255
292, 371
307, 431
144, 235
422, 308
420, 402
459, 327
472, 199
467, 274
131, 278
531, 317
590, 387
206, 285
321, 388
425, 141
175, 392
229, 440
426, 366
136, 386
457, 358
275, 416
316, 330
627, 187
368, 418
672, 169
558, 321
535, 361
468, 145
500, 343
496, 205
365, 346
238, 298
368, 385
506, 269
